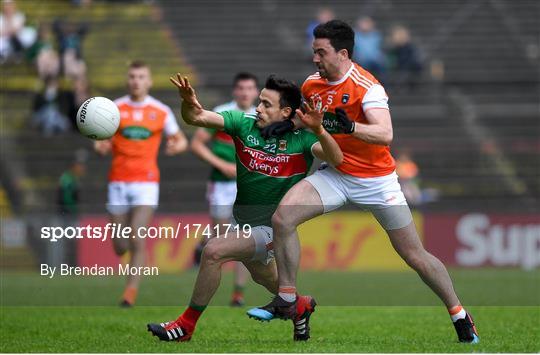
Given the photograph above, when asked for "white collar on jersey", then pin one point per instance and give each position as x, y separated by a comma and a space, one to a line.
344, 77
144, 102
235, 107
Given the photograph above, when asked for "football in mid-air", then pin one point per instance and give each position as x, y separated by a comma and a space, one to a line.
98, 118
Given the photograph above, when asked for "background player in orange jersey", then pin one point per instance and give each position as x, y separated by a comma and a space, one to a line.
134, 176
357, 116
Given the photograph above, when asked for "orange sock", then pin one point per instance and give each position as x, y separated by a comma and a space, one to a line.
130, 295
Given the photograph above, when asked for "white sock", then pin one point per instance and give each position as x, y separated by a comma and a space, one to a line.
288, 295
460, 315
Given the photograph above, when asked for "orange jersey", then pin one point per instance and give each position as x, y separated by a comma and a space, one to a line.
135, 145
357, 92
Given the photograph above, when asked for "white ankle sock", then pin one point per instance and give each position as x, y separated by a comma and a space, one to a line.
288, 296
460, 315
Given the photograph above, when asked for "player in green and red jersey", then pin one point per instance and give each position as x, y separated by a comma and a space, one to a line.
216, 148
267, 167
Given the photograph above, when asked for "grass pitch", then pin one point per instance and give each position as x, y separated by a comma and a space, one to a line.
358, 312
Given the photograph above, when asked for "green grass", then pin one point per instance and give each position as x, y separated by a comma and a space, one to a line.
358, 312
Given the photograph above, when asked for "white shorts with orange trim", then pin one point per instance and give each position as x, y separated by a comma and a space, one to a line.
122, 196
380, 195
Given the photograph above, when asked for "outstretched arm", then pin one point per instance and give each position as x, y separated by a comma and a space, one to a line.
192, 111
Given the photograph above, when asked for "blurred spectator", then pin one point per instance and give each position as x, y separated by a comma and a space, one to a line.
324, 14
70, 37
14, 36
54, 110
368, 47
43, 53
408, 174
81, 90
68, 203
68, 188
404, 58
82, 3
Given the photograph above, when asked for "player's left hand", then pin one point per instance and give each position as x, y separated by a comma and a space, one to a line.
313, 115
346, 124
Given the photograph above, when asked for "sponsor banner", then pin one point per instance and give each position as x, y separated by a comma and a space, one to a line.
338, 241
478, 239
348, 240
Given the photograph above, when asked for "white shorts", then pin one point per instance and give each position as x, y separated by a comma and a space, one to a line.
264, 249
381, 195
221, 196
125, 195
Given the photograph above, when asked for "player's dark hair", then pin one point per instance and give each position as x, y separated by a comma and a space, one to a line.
340, 34
136, 64
289, 92
245, 76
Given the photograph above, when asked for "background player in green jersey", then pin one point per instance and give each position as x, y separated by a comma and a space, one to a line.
217, 149
266, 169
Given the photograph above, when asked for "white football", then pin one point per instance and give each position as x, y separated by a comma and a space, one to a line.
98, 118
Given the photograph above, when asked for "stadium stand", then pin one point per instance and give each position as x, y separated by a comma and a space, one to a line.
473, 129
488, 95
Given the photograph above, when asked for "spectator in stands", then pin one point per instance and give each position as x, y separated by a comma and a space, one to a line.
68, 202
82, 3
404, 58
368, 50
68, 188
14, 36
54, 109
324, 14
43, 53
408, 173
81, 89
70, 37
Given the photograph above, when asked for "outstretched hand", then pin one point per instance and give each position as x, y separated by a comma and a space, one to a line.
313, 115
186, 91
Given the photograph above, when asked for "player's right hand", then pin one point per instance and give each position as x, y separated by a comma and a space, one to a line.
185, 90
313, 114
103, 147
229, 170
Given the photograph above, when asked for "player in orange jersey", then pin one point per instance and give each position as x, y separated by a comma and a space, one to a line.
134, 176
357, 116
